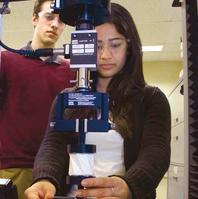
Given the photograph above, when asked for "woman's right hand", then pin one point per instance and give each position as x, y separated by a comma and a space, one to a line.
40, 190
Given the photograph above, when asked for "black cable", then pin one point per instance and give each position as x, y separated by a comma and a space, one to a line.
18, 51
42, 52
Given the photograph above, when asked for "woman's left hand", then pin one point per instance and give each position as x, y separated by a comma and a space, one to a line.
104, 188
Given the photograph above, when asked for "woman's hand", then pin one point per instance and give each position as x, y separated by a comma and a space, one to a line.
40, 190
104, 188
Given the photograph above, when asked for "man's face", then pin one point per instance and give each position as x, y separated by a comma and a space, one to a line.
48, 26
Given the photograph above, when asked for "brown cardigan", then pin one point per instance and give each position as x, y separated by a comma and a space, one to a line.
146, 153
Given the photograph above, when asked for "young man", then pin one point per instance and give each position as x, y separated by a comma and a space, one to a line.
28, 86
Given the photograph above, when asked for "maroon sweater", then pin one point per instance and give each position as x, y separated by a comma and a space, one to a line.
27, 89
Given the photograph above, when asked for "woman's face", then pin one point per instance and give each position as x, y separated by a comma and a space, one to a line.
112, 50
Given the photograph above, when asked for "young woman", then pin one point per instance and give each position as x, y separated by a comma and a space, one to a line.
132, 159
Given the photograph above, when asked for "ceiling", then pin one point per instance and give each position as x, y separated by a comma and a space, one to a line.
157, 21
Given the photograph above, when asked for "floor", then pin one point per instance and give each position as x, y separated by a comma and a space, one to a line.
162, 189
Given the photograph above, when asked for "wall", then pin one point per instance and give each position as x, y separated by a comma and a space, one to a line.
162, 74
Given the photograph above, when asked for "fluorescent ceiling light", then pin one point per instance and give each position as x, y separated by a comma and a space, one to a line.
152, 48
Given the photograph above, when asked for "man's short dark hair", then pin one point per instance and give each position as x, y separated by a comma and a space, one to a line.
37, 6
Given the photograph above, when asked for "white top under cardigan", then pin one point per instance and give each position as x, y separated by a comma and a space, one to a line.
108, 159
